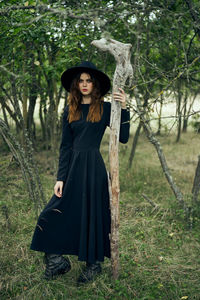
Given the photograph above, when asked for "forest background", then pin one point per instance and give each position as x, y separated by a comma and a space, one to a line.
159, 167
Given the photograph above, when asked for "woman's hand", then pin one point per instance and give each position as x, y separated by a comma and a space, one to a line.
120, 97
58, 188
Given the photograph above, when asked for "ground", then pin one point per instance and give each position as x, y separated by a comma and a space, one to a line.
159, 253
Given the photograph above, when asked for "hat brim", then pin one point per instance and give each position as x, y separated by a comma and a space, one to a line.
68, 76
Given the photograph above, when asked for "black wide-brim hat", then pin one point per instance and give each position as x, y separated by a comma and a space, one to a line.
88, 67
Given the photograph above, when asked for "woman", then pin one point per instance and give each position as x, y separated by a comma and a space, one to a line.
76, 220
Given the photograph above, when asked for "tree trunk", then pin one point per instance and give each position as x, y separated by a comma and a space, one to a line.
16, 106
5, 116
42, 122
196, 183
15, 113
136, 137
135, 141
30, 120
33, 91
121, 53
185, 125
185, 116
29, 169
160, 116
179, 99
25, 94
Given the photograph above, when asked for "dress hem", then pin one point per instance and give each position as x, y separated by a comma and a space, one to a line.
65, 252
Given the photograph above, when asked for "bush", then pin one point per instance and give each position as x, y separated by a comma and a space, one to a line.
195, 123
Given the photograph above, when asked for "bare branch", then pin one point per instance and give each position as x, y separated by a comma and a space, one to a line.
65, 12
149, 200
4, 69
8, 9
43, 11
151, 137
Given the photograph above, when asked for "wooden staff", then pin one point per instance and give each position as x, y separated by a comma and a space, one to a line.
123, 71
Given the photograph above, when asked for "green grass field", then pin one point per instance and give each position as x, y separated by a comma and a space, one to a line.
159, 254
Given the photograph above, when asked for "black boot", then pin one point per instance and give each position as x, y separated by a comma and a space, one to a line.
90, 272
55, 264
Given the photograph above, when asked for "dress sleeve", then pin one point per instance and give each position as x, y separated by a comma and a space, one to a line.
124, 125
65, 148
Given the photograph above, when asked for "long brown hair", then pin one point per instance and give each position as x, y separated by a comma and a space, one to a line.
75, 97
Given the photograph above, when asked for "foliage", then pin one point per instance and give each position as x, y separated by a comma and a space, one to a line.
40, 39
196, 122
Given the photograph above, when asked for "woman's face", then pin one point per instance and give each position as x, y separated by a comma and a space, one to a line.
85, 84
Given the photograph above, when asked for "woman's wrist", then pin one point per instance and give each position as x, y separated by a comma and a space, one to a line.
123, 105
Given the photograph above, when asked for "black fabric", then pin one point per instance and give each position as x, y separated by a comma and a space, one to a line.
79, 222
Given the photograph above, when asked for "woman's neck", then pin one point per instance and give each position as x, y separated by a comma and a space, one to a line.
86, 100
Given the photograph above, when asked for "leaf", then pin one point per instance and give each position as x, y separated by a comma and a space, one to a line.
26, 3
37, 63
184, 298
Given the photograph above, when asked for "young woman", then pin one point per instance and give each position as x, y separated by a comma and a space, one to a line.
76, 221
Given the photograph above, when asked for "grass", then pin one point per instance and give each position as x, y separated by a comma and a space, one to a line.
159, 255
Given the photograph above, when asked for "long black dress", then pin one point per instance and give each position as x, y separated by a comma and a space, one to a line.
78, 223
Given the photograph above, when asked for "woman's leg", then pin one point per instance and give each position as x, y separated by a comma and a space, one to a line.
55, 264
90, 272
